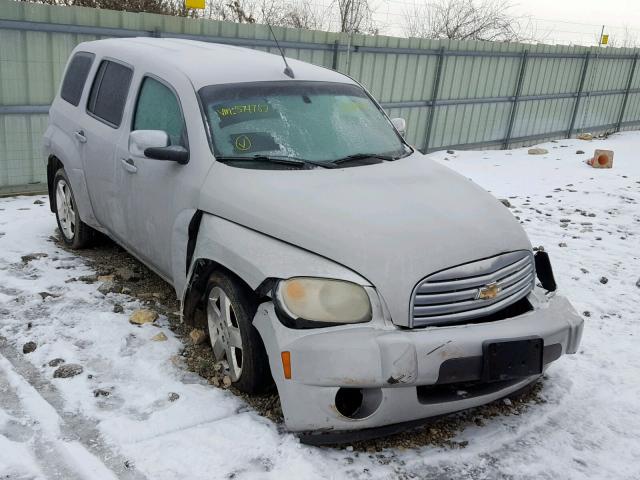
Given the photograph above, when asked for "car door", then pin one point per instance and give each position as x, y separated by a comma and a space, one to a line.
147, 188
102, 127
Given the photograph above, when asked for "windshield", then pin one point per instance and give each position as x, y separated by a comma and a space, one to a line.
317, 122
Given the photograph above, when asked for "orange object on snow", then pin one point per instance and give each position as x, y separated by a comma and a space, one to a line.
602, 159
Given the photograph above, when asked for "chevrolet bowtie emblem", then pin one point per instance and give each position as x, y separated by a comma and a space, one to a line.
489, 291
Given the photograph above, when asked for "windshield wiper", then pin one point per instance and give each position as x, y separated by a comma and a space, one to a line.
299, 162
260, 158
362, 156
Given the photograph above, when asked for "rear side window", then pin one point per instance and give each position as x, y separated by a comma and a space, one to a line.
76, 76
109, 92
159, 109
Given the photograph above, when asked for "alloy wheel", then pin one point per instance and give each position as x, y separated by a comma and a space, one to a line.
65, 209
224, 331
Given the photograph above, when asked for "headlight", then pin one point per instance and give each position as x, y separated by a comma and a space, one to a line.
323, 300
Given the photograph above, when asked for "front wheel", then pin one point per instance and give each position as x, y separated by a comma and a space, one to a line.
75, 232
234, 339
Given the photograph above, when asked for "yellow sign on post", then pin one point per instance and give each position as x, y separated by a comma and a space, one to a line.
197, 4
603, 41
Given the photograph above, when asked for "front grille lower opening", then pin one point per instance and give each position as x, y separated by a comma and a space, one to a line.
520, 307
517, 308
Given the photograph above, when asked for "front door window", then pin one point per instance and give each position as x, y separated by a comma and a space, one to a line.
159, 109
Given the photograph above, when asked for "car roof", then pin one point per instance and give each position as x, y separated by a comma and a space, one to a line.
209, 63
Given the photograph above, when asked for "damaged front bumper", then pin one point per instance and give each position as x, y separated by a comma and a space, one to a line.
373, 375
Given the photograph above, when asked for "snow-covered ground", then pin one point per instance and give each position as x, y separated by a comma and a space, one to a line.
588, 425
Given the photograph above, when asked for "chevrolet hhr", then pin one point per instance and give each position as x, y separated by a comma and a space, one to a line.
319, 251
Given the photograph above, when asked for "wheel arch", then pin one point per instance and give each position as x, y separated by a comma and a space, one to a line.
193, 312
53, 165
256, 260
76, 177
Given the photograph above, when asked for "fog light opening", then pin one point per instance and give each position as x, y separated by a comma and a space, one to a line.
349, 401
358, 403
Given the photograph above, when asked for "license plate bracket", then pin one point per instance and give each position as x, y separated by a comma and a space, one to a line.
511, 359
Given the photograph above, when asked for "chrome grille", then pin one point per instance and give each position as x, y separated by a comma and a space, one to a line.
453, 295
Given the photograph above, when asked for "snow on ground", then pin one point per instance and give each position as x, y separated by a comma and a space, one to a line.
588, 426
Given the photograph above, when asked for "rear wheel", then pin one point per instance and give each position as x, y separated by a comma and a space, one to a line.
75, 232
235, 341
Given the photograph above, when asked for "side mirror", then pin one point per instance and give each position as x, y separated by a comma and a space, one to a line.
172, 153
155, 144
400, 125
140, 140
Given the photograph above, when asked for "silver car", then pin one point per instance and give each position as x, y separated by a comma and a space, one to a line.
374, 286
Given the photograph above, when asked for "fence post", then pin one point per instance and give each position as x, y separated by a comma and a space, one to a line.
585, 66
626, 93
434, 98
334, 63
516, 97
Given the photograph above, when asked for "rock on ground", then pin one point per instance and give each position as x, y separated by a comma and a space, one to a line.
159, 337
140, 317
537, 151
197, 336
108, 287
29, 347
67, 371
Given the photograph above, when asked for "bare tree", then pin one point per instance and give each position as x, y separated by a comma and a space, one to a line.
238, 11
280, 13
463, 20
356, 16
304, 15
165, 7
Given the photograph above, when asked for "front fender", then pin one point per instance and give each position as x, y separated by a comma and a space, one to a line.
254, 257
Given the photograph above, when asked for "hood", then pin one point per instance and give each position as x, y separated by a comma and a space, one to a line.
393, 223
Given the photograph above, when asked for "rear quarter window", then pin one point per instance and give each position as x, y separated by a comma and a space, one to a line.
76, 76
109, 92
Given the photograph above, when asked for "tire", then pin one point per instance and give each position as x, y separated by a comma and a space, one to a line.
75, 233
230, 310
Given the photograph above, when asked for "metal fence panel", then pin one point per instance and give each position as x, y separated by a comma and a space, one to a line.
460, 94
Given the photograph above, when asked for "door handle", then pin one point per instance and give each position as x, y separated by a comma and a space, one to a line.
80, 136
128, 165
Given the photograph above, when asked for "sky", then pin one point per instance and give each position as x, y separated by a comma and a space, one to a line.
558, 17
552, 21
